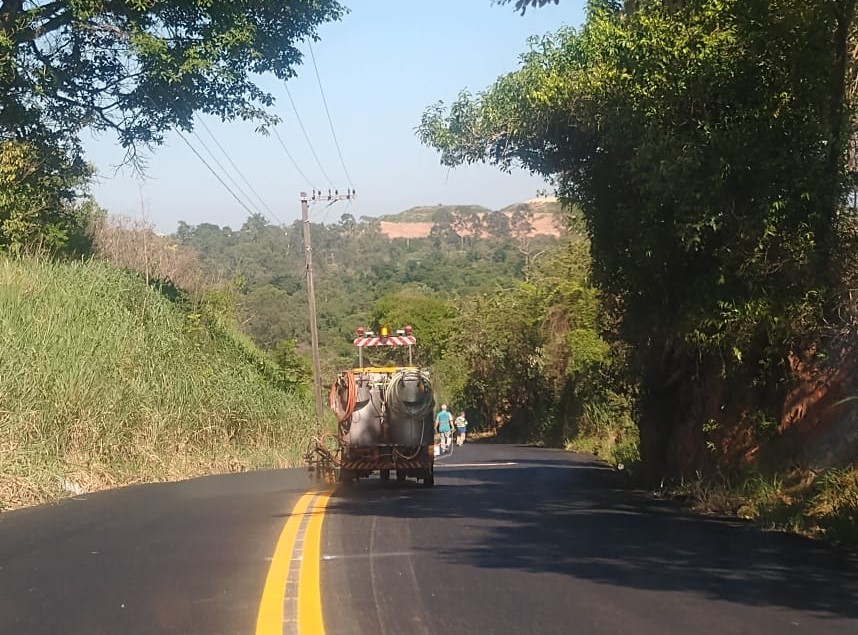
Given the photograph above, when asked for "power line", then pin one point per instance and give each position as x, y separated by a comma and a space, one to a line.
306, 136
328, 113
209, 167
238, 171
227, 174
316, 213
292, 159
212, 170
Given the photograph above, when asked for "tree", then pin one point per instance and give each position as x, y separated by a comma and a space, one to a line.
466, 223
141, 67
497, 224
704, 142
137, 68
38, 186
496, 350
296, 368
431, 317
521, 228
521, 5
348, 224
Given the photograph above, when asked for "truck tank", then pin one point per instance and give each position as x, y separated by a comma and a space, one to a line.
410, 405
365, 427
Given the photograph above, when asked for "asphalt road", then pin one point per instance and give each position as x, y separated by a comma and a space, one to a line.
510, 540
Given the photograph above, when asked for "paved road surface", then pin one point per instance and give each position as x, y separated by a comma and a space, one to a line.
511, 540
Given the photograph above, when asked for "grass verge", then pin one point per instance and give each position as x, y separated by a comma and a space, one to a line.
818, 504
606, 429
104, 382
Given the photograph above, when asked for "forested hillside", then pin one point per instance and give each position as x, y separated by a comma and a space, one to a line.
356, 264
507, 320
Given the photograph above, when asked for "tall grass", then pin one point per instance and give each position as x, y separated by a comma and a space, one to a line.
821, 504
604, 427
104, 381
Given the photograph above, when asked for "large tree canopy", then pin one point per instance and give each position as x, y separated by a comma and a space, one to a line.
134, 68
705, 144
140, 67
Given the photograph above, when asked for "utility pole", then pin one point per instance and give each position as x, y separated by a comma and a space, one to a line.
311, 291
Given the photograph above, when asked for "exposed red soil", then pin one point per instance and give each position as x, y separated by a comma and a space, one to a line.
543, 224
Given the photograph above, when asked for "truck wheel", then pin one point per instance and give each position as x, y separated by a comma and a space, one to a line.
429, 479
346, 478
400, 476
385, 475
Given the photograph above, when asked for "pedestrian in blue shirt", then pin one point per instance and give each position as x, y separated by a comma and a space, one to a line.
444, 426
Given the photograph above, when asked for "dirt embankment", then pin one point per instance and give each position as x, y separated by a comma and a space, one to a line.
543, 225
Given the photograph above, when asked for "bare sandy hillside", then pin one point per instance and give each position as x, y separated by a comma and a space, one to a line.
405, 230
417, 222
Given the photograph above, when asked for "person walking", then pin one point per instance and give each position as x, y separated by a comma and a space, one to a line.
444, 427
461, 427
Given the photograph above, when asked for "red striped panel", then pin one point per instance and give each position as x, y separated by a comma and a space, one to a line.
392, 340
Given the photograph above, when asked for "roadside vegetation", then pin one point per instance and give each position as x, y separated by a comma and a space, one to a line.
816, 504
108, 380
706, 146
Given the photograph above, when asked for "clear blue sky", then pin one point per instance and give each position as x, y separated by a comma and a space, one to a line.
381, 66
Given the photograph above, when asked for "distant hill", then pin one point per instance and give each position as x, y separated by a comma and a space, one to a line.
432, 213
417, 222
544, 205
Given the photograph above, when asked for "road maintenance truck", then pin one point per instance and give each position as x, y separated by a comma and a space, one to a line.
385, 415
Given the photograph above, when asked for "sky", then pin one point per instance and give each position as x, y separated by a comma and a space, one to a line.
380, 67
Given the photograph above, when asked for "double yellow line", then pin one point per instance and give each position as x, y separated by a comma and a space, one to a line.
270, 620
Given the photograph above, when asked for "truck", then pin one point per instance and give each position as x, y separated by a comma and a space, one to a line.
385, 415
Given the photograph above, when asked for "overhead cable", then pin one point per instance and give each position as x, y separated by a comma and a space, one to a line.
292, 159
307, 137
212, 170
238, 171
226, 173
328, 113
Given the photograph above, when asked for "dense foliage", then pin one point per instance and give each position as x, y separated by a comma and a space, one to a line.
363, 278
705, 143
507, 321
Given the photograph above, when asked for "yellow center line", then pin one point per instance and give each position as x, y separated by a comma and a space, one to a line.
269, 621
310, 620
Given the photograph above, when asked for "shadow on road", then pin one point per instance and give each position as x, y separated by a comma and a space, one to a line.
554, 513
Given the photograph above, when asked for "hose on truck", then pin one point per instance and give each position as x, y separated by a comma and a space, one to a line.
413, 410
395, 402
343, 409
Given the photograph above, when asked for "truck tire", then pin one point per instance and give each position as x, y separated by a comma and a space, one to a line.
385, 475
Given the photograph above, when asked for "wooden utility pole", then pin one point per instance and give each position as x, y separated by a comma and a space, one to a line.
311, 292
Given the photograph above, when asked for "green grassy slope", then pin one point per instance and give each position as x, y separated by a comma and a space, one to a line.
104, 381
